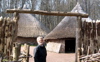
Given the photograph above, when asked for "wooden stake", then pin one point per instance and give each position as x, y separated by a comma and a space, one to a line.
26, 51
15, 54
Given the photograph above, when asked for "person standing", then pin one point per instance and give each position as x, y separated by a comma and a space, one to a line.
40, 52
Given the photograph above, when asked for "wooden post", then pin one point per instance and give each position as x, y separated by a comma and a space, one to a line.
16, 17
81, 37
26, 51
16, 52
93, 37
1, 40
96, 37
85, 37
91, 50
15, 30
78, 36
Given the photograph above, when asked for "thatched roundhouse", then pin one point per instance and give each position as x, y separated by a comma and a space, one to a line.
29, 28
62, 37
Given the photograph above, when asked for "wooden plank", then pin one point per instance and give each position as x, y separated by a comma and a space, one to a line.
54, 13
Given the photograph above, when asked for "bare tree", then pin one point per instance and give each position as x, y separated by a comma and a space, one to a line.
92, 7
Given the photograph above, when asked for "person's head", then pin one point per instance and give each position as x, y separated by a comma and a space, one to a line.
40, 40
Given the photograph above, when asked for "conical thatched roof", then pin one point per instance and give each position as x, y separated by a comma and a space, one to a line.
29, 26
67, 27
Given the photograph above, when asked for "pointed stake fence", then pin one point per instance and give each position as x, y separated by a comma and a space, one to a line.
91, 44
7, 32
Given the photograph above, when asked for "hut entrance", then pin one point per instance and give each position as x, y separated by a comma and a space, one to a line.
70, 45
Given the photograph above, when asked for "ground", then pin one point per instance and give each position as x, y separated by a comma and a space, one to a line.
56, 57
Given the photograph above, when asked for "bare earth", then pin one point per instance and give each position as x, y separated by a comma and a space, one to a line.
56, 57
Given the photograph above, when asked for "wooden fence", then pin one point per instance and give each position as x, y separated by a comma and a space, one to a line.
9, 48
90, 38
7, 36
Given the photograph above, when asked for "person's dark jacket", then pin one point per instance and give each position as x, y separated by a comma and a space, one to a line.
40, 54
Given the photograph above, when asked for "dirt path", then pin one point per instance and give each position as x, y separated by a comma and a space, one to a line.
56, 57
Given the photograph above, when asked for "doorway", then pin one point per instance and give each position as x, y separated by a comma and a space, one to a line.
70, 45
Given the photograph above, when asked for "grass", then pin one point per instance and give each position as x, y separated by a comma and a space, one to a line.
33, 45
30, 45
5, 60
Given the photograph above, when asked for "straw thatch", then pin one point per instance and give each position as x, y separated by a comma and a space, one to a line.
29, 26
67, 27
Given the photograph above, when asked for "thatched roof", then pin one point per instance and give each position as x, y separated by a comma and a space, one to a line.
29, 26
67, 27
